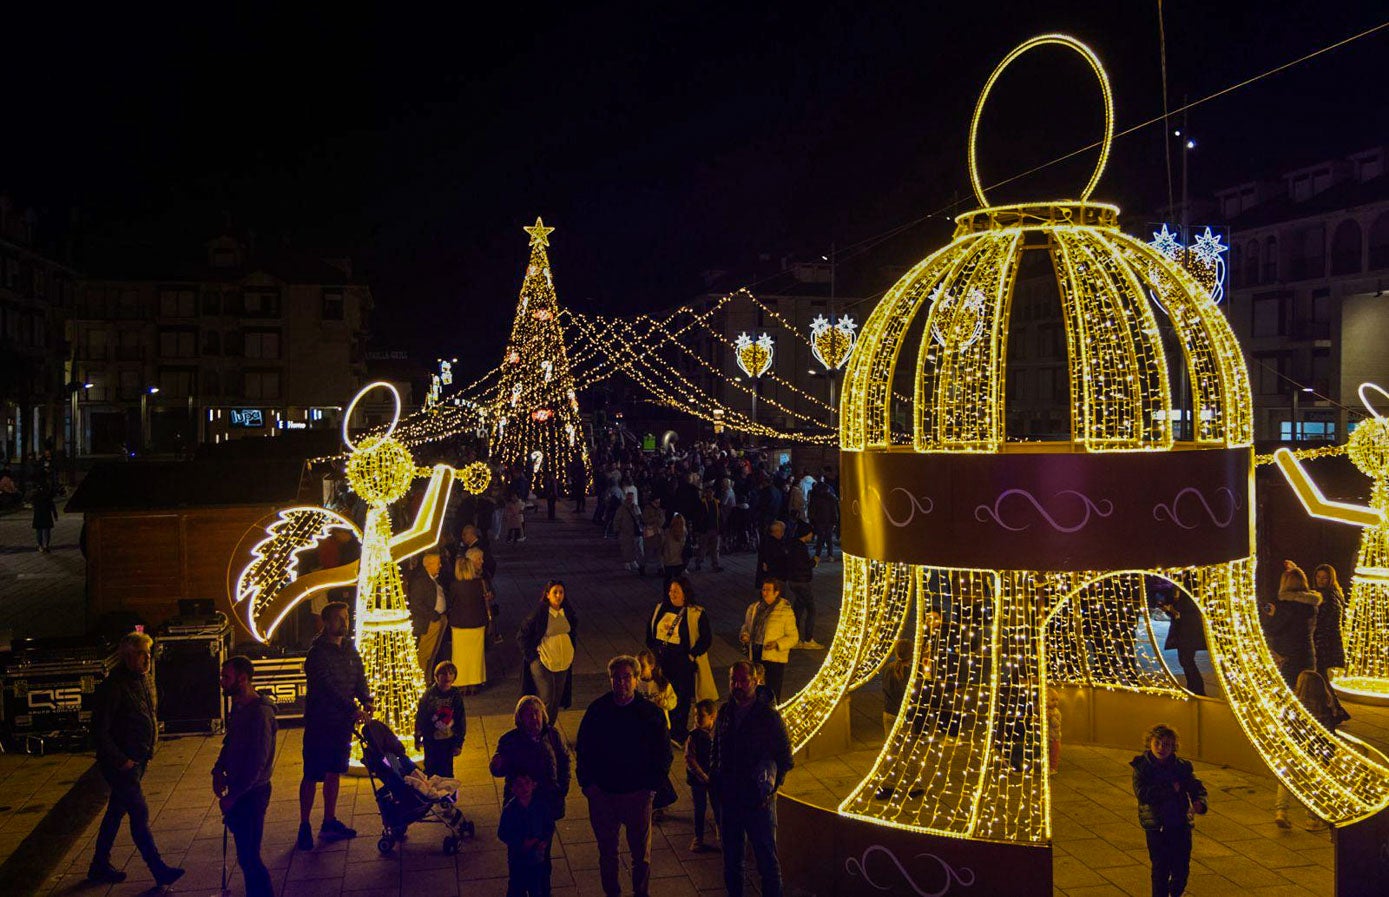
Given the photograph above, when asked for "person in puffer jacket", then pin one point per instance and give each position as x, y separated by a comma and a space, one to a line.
1168, 794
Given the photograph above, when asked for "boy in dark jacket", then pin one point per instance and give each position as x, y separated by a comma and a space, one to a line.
526, 826
440, 722
1168, 793
699, 754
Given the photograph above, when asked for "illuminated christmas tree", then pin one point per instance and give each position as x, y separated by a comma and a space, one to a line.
536, 415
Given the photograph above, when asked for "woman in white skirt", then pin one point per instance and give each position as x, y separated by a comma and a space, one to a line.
468, 620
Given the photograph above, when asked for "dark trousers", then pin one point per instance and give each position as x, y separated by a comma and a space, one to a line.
246, 822
703, 799
127, 799
680, 672
1170, 852
803, 604
438, 757
1194, 682
776, 672
43, 536
824, 538
740, 824
527, 878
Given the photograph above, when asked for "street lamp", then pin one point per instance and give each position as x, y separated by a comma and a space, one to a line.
145, 417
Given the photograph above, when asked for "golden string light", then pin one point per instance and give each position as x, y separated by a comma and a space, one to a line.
966, 755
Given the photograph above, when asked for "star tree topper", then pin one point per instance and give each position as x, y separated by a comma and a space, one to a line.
540, 234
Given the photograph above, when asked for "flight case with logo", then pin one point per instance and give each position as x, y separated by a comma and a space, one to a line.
189, 653
47, 689
280, 677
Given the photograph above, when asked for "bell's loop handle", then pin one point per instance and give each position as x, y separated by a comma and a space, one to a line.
1041, 40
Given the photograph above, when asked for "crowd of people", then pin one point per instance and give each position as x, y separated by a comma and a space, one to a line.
672, 517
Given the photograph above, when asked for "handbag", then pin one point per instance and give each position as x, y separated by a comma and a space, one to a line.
706, 687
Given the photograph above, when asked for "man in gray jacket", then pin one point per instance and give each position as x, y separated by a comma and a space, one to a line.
241, 775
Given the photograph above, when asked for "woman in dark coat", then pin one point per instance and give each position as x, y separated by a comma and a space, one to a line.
679, 634
1187, 634
547, 638
534, 748
1292, 621
45, 516
1331, 650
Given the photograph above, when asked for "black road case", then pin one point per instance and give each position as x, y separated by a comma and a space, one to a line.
280, 677
47, 689
188, 665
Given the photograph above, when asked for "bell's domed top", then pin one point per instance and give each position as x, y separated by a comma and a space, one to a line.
1117, 296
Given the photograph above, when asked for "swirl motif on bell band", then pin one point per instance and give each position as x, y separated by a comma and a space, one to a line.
1171, 511
1103, 508
859, 866
921, 504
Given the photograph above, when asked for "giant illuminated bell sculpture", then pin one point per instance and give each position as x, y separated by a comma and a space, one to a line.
1032, 556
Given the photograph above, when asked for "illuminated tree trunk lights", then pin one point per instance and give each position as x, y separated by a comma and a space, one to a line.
1026, 561
535, 418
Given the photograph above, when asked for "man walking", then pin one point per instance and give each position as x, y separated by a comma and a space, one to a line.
624, 757
337, 683
241, 775
771, 555
124, 729
800, 570
823, 509
750, 759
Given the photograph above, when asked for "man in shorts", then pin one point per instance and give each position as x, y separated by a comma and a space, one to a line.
337, 684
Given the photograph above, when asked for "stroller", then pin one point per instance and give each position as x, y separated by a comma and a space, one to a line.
388, 765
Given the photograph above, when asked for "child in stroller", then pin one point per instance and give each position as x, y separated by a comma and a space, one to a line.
404, 795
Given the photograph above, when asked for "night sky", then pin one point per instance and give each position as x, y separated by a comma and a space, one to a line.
660, 139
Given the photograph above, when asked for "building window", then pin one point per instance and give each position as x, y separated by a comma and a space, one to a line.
1345, 248
212, 342
178, 343
211, 384
1269, 373
1251, 263
97, 345
177, 303
261, 384
1379, 242
176, 382
260, 303
212, 303
1268, 315
332, 305
130, 385
261, 344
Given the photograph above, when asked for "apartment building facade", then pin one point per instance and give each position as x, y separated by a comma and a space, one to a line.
1309, 265
237, 344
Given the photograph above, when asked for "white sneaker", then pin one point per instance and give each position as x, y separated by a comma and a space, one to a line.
811, 645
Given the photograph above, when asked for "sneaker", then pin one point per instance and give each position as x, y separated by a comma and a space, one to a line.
1280, 819
105, 874
334, 829
167, 876
698, 846
522, 539
811, 645
305, 840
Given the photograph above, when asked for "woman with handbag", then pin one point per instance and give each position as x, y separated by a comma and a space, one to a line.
547, 640
679, 635
468, 618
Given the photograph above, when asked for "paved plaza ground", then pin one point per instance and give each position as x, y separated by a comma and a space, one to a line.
49, 806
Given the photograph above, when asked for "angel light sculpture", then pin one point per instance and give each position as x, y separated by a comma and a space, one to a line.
380, 470
1366, 634
1034, 555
